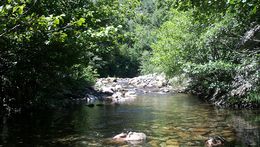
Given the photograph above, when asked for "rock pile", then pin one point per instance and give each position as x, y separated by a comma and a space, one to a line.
120, 90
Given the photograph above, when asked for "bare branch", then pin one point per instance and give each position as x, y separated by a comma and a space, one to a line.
9, 30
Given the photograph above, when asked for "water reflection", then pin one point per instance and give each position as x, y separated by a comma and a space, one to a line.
247, 124
167, 120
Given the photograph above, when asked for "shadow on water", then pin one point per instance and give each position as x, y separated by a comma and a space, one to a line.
167, 120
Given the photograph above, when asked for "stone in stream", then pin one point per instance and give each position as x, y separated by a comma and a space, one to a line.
215, 141
130, 94
117, 95
107, 89
90, 98
118, 88
131, 136
160, 84
165, 90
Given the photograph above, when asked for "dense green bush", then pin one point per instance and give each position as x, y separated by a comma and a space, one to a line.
50, 48
216, 45
211, 80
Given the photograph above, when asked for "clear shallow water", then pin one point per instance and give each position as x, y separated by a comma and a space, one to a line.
167, 120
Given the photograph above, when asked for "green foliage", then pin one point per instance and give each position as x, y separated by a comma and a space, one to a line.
51, 48
204, 40
211, 76
173, 38
253, 97
146, 66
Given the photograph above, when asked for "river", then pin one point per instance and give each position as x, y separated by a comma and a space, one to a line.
166, 119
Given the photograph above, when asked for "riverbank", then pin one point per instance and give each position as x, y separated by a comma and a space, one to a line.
119, 90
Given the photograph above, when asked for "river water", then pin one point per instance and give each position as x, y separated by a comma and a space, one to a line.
167, 120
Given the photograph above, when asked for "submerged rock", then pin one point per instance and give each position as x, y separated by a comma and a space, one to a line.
172, 142
154, 143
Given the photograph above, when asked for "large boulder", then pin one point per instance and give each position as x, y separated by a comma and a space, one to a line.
131, 136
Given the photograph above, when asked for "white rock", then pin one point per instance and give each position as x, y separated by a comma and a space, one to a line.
117, 95
130, 94
118, 87
107, 89
131, 136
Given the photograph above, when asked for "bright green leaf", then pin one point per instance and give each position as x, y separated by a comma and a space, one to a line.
231, 2
20, 9
80, 21
254, 10
56, 22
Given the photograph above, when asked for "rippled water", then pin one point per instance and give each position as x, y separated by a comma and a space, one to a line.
167, 120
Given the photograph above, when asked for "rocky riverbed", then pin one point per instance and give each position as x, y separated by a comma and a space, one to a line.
120, 90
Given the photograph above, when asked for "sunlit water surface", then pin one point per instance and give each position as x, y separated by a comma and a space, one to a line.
167, 120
